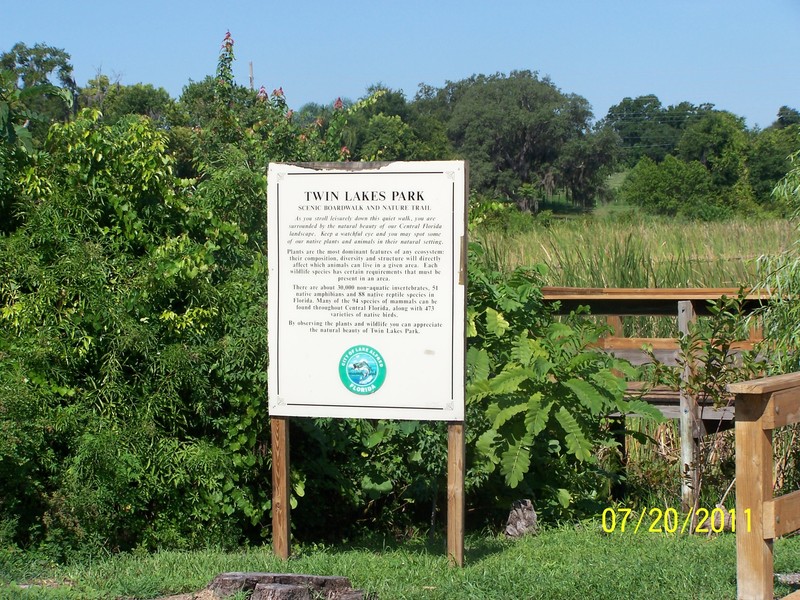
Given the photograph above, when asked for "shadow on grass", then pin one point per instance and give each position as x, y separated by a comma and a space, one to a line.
476, 547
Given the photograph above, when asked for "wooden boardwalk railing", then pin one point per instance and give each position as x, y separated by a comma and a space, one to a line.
762, 405
686, 304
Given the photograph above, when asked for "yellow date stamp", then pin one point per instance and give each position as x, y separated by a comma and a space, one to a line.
669, 520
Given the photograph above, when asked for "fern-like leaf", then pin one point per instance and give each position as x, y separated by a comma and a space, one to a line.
526, 350
537, 414
496, 322
478, 390
508, 380
487, 445
516, 461
477, 364
577, 443
587, 395
641, 409
507, 413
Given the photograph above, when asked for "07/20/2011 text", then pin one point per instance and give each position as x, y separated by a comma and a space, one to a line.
658, 520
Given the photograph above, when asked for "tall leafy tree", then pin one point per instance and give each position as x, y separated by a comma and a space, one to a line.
768, 161
17, 144
116, 100
133, 329
787, 117
673, 187
718, 141
42, 65
514, 129
648, 128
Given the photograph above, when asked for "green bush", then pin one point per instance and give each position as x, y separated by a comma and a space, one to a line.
541, 392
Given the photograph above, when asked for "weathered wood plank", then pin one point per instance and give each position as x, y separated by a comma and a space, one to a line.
793, 596
690, 425
754, 560
782, 515
766, 385
644, 301
674, 294
615, 323
782, 409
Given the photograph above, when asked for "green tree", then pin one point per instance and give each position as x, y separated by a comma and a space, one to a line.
17, 151
133, 331
388, 128
787, 117
583, 164
36, 66
674, 188
388, 138
514, 129
718, 141
780, 275
116, 100
641, 127
647, 128
768, 161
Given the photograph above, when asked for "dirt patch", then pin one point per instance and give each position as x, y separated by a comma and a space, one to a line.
201, 595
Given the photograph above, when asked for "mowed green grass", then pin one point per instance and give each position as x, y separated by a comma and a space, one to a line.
574, 562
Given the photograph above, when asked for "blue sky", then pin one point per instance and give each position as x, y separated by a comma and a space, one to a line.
742, 56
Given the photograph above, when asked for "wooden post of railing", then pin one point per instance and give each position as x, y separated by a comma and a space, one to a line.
615, 323
689, 417
761, 406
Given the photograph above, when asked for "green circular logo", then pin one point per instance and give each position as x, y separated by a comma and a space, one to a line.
362, 370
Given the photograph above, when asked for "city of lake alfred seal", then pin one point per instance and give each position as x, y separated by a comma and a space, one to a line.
362, 369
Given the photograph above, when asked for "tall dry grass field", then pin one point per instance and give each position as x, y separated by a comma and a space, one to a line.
587, 252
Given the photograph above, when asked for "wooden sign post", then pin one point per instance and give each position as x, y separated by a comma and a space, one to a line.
455, 493
281, 529
367, 302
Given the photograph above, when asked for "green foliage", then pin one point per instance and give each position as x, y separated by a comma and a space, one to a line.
780, 276
520, 129
718, 141
116, 101
541, 390
648, 129
109, 314
674, 188
37, 70
787, 117
743, 167
17, 144
768, 162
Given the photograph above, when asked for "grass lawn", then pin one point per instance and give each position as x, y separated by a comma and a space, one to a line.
566, 563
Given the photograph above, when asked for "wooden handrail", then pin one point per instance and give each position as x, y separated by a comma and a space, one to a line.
686, 304
645, 301
761, 406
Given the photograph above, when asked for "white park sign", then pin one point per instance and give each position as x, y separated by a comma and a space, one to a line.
367, 290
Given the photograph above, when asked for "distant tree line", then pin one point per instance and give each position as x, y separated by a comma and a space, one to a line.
525, 139
699, 162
